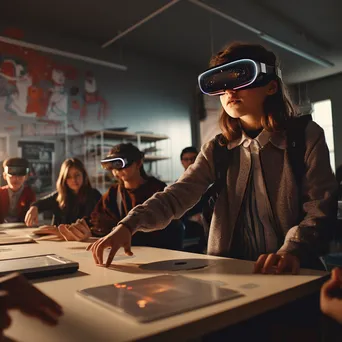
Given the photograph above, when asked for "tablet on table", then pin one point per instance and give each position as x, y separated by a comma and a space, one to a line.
158, 297
38, 266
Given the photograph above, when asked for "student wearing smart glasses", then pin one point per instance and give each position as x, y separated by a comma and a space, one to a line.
15, 197
133, 187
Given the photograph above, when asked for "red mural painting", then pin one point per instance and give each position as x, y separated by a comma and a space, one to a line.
35, 85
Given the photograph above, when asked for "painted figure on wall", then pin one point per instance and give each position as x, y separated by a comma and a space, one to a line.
19, 82
58, 99
38, 87
92, 97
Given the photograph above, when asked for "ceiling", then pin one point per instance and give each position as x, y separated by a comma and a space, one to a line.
188, 34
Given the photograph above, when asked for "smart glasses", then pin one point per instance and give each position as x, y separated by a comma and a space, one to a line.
17, 170
115, 163
235, 75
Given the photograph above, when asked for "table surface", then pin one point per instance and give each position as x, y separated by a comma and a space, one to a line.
84, 320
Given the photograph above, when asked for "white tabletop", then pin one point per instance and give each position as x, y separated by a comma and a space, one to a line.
86, 321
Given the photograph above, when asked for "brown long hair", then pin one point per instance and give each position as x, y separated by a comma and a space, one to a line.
278, 108
61, 185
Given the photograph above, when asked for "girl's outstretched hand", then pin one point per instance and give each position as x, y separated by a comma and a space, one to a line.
119, 237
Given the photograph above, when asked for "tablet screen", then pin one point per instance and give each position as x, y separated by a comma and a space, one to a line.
26, 263
38, 266
158, 297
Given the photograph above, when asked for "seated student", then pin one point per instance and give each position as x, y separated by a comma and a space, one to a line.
17, 293
331, 296
188, 156
74, 198
15, 197
134, 187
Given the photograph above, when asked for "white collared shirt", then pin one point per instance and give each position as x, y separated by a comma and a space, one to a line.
257, 219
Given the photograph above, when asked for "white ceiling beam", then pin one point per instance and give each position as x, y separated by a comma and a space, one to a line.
139, 23
67, 54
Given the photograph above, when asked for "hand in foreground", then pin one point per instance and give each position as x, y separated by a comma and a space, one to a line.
331, 296
17, 293
277, 263
78, 231
119, 237
31, 217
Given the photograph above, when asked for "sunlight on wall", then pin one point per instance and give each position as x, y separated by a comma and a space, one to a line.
322, 115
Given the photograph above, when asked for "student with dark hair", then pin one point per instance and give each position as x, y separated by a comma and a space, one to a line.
74, 199
15, 197
263, 211
188, 156
134, 187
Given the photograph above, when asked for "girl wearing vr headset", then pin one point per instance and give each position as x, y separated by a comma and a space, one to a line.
256, 214
74, 199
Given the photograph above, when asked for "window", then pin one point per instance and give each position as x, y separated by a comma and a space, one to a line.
322, 114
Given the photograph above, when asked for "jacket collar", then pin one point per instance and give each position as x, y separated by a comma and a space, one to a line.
278, 139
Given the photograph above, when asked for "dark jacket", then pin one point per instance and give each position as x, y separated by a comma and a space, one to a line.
24, 202
118, 201
74, 210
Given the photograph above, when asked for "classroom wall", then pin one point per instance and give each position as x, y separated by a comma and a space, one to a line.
153, 95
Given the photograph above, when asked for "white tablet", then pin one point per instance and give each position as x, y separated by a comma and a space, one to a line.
38, 266
11, 225
158, 297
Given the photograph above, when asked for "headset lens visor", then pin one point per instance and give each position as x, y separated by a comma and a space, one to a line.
116, 163
231, 76
17, 170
